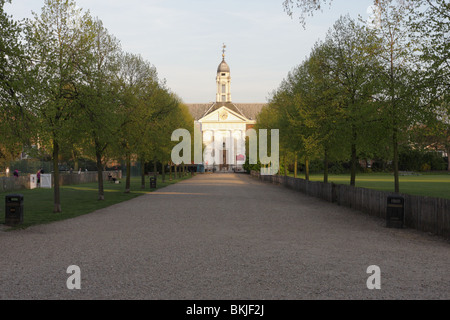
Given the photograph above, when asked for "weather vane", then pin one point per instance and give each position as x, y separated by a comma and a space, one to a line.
224, 47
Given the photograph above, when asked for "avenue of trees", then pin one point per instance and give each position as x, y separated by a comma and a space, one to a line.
67, 87
369, 90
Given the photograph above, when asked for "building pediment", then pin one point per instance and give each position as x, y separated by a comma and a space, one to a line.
224, 114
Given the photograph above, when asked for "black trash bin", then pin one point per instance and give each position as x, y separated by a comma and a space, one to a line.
13, 209
395, 214
152, 182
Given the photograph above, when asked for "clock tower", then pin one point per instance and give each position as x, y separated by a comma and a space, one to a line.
223, 80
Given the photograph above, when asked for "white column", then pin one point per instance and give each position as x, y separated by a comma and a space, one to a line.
231, 149
217, 146
240, 143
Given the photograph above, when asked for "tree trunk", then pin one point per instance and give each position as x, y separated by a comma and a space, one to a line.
128, 180
155, 169
142, 174
448, 159
394, 123
296, 167
285, 166
325, 167
307, 168
353, 166
56, 190
101, 192
163, 172
170, 173
75, 160
447, 150
396, 158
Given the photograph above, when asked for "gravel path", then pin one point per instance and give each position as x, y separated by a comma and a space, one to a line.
223, 237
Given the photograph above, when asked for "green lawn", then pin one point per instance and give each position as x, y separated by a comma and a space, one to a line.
430, 185
75, 200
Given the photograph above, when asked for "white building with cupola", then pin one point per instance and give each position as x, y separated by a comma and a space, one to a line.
224, 124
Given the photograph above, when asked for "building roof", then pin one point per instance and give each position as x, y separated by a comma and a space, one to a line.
223, 67
251, 110
197, 110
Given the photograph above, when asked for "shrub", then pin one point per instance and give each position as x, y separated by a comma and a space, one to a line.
411, 160
337, 168
251, 167
316, 166
435, 161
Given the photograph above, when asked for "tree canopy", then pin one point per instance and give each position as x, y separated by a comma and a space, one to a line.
67, 87
367, 90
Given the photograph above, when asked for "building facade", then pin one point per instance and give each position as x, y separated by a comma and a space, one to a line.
223, 125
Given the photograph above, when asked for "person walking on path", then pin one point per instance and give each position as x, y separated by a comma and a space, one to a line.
39, 178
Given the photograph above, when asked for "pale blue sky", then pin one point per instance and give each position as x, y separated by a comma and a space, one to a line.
183, 39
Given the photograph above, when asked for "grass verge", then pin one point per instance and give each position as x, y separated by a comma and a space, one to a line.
428, 185
76, 200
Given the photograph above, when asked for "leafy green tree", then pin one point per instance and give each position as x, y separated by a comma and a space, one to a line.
431, 25
352, 63
96, 94
400, 90
296, 113
273, 117
144, 102
55, 43
16, 118
133, 77
309, 7
326, 104
306, 7
435, 133
158, 106
290, 109
323, 111
178, 118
